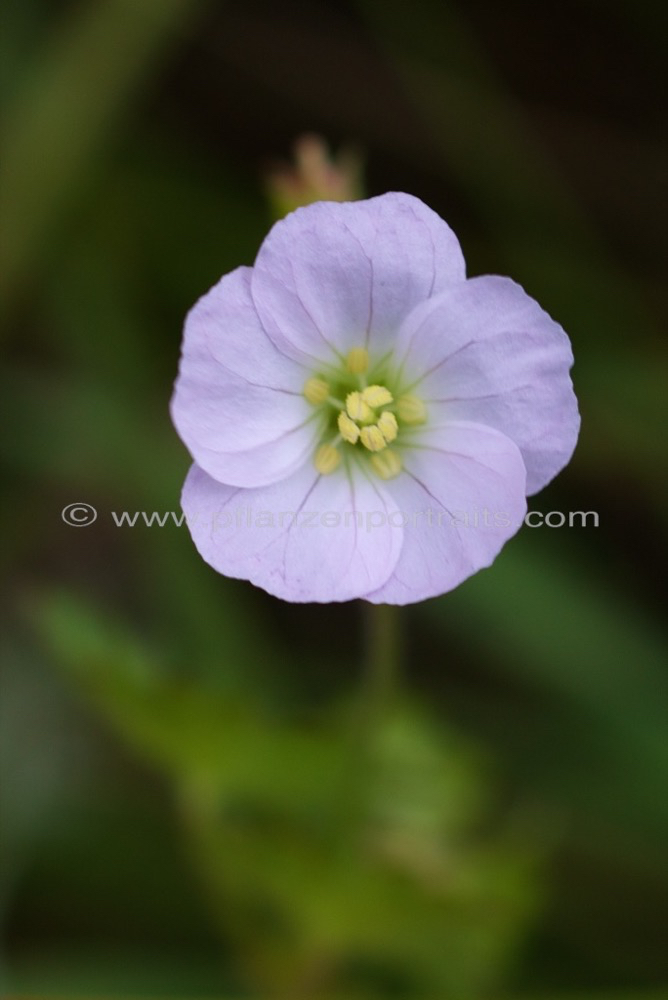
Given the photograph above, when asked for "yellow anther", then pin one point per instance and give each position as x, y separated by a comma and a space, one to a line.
372, 438
411, 410
357, 360
316, 391
387, 464
350, 432
387, 425
376, 395
357, 408
327, 459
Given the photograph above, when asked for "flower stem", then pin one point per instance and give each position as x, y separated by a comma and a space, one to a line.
383, 654
377, 691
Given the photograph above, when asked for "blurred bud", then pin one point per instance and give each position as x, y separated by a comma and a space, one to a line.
315, 176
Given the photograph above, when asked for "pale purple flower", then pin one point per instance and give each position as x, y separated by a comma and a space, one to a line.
364, 420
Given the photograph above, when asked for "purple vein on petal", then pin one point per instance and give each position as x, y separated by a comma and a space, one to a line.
257, 447
489, 395
334, 350
430, 371
459, 454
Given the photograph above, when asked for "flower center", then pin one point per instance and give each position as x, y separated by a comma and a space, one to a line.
361, 420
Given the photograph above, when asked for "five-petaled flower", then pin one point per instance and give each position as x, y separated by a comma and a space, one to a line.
356, 374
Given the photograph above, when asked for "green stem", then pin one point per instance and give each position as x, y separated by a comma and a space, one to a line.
383, 654
378, 688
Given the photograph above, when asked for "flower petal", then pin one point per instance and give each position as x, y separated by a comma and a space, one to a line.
238, 403
333, 276
307, 538
462, 497
485, 351
224, 325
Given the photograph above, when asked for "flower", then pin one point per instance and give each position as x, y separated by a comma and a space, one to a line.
315, 176
365, 421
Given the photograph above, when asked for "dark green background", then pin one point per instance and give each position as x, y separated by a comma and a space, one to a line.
193, 802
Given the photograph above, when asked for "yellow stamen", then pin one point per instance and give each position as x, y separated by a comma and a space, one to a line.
357, 360
350, 432
357, 408
316, 391
376, 395
387, 464
411, 410
372, 438
387, 425
327, 459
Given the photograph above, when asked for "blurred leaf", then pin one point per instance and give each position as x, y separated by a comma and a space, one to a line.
22, 25
404, 905
271, 795
74, 432
73, 104
94, 973
234, 747
558, 625
40, 759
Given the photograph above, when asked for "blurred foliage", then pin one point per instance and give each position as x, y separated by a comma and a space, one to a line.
194, 803
317, 876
